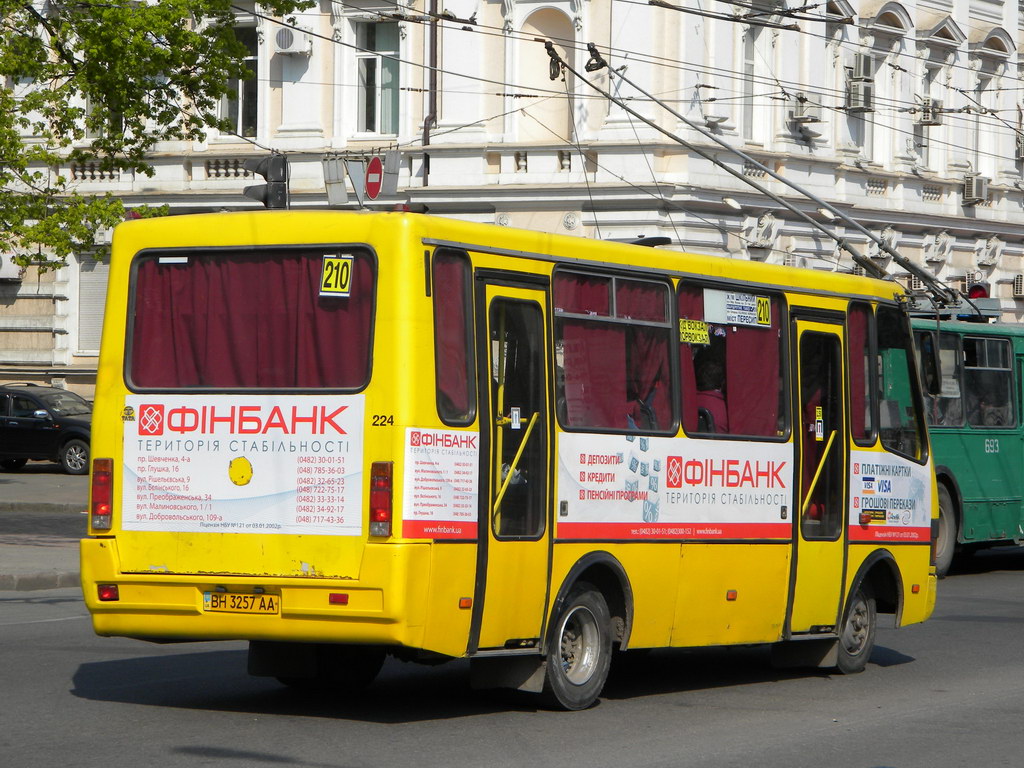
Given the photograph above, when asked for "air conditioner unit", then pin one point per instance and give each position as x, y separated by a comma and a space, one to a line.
1018, 286
859, 96
292, 41
929, 113
805, 111
1020, 145
863, 66
975, 189
915, 283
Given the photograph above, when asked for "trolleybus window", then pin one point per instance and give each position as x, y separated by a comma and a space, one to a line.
251, 320
988, 382
453, 364
899, 424
612, 339
730, 357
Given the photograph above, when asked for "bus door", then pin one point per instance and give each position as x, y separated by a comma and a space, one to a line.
821, 446
514, 528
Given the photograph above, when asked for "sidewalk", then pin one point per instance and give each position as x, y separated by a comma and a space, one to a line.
42, 518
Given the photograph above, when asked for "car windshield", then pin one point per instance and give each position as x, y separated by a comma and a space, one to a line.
66, 404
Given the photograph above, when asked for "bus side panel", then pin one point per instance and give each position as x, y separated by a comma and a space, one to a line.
651, 569
731, 593
912, 560
452, 577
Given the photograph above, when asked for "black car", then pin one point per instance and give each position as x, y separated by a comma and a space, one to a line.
43, 423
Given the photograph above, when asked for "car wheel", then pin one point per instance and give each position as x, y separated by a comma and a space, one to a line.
13, 465
580, 651
74, 457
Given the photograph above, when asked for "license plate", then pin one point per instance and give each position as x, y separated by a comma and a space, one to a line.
226, 602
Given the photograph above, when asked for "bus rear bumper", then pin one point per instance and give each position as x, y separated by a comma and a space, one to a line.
384, 607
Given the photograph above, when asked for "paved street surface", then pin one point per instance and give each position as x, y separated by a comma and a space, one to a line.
949, 692
41, 520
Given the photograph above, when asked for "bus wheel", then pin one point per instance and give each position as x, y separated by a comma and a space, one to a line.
945, 546
857, 638
580, 651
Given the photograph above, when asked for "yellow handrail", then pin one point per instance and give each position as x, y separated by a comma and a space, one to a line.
817, 474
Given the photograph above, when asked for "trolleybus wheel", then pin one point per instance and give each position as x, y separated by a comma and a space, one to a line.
857, 636
580, 650
945, 546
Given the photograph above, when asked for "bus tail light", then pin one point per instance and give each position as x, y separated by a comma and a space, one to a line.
101, 493
380, 497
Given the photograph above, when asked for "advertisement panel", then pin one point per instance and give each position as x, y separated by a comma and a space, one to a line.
632, 487
890, 499
285, 464
441, 484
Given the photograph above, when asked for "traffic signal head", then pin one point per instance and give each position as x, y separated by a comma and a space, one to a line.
977, 291
273, 168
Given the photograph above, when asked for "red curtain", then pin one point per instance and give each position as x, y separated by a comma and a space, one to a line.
640, 301
594, 357
453, 336
857, 346
249, 321
582, 294
752, 380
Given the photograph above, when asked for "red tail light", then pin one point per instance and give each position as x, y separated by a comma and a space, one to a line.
101, 494
380, 497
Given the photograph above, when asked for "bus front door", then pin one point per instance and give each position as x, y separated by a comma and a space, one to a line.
514, 530
817, 584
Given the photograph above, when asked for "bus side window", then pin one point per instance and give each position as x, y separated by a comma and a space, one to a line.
862, 423
612, 338
900, 424
727, 368
453, 338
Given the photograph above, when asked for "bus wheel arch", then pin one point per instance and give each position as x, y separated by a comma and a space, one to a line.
605, 573
875, 589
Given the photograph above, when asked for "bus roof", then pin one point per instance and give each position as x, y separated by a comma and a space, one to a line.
223, 230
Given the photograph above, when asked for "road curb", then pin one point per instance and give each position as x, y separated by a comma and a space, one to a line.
42, 507
32, 581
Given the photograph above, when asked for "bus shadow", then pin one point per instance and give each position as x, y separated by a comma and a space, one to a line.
1008, 558
405, 692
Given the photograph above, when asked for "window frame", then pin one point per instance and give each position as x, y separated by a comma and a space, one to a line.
784, 416
613, 319
314, 249
468, 322
377, 56
1009, 369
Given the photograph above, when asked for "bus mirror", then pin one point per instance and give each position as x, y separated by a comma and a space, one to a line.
931, 368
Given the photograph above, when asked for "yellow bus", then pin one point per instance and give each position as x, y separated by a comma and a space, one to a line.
343, 435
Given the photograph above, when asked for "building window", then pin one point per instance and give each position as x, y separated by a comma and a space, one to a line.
241, 111
377, 68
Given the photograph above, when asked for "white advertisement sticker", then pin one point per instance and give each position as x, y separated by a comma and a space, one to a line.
633, 487
890, 499
243, 464
441, 484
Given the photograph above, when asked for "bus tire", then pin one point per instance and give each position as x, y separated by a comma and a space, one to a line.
580, 650
945, 545
74, 457
857, 635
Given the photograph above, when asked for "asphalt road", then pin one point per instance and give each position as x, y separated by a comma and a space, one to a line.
949, 692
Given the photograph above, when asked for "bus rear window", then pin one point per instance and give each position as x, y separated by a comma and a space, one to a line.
267, 319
